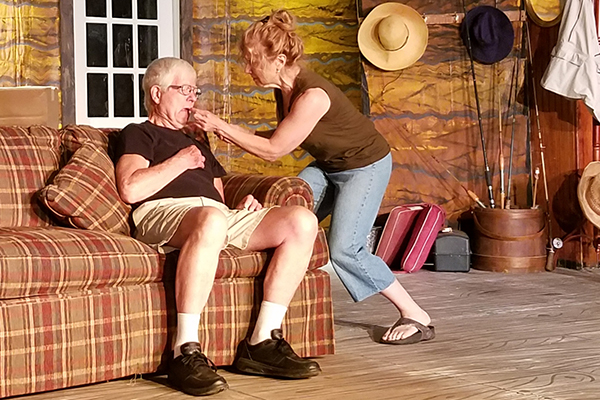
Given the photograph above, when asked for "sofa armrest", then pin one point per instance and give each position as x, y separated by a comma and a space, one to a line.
268, 190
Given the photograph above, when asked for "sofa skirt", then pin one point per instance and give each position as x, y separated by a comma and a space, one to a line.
56, 341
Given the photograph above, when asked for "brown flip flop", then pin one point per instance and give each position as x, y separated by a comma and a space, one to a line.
422, 334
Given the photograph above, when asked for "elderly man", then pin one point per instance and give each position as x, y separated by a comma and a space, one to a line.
174, 184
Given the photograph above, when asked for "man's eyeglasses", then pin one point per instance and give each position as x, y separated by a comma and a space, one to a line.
186, 90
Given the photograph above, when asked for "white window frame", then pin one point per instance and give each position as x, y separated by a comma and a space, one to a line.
168, 45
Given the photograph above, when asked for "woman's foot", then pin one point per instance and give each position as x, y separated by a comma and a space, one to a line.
422, 332
413, 325
401, 331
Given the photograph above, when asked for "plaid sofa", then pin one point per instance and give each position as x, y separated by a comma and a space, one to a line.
81, 301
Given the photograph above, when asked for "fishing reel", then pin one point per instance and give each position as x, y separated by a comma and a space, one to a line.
557, 243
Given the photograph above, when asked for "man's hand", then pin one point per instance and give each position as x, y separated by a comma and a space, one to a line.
191, 156
249, 203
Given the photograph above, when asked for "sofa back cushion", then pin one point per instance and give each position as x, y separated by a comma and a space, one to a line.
74, 136
28, 158
84, 194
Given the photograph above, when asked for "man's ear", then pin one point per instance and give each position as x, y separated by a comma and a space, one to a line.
155, 94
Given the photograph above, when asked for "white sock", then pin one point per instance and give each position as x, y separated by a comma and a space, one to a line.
187, 331
270, 317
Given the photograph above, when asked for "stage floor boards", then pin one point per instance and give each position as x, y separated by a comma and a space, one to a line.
499, 336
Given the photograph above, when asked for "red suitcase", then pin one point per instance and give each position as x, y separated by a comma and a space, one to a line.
408, 235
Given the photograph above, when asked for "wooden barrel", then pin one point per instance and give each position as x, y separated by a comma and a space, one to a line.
512, 240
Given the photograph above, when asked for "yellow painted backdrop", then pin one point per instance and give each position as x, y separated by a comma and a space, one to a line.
29, 48
427, 112
329, 34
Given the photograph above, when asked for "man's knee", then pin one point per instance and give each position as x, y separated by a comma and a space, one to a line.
303, 222
207, 224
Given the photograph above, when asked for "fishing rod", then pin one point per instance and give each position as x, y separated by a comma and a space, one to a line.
514, 119
550, 266
404, 136
501, 155
488, 178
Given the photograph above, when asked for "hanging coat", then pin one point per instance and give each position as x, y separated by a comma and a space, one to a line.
574, 68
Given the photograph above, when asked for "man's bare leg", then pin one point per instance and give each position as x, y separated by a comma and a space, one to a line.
200, 237
291, 231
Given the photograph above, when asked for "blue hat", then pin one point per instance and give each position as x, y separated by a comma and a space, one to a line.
491, 33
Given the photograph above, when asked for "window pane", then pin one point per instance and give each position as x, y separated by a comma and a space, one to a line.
122, 38
123, 95
97, 89
121, 9
147, 9
96, 45
148, 44
143, 112
95, 8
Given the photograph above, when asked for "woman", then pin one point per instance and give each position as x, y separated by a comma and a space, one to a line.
352, 163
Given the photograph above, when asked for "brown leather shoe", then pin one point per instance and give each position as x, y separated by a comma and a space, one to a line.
193, 373
273, 357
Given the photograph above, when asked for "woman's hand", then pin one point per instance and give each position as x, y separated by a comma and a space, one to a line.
249, 203
208, 121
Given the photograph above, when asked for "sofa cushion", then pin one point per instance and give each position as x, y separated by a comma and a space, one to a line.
74, 136
268, 190
236, 263
35, 261
50, 260
28, 157
84, 195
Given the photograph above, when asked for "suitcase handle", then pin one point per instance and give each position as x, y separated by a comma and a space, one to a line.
510, 238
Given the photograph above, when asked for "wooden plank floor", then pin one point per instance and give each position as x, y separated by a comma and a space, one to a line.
499, 336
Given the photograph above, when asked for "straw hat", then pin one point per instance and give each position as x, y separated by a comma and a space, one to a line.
588, 192
491, 33
392, 36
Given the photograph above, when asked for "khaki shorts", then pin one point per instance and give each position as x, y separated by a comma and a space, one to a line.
157, 221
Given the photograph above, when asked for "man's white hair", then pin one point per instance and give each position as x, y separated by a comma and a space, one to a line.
161, 72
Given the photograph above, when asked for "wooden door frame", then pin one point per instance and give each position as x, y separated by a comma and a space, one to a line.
67, 57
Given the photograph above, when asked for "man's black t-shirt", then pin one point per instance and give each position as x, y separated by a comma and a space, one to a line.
156, 144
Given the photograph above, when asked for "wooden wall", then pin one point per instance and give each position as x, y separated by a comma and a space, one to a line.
427, 112
29, 46
329, 34
566, 129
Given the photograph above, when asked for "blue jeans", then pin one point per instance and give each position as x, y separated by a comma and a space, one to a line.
353, 199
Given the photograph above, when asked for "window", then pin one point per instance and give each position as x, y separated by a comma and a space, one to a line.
114, 41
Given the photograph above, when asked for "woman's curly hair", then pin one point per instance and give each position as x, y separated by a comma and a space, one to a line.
271, 36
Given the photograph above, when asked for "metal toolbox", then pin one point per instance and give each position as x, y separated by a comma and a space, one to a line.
451, 252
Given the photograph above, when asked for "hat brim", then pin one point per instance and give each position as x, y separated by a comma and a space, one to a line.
411, 52
592, 170
483, 54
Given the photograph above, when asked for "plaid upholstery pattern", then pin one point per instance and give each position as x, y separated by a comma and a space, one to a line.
33, 262
28, 157
234, 303
84, 193
80, 306
269, 190
240, 263
43, 261
74, 136
56, 341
